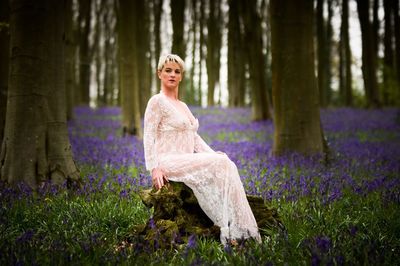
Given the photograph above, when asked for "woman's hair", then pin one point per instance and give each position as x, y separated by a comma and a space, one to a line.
170, 58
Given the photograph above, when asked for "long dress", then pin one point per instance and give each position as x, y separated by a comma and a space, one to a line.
171, 143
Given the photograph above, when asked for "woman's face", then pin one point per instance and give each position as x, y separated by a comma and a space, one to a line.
170, 75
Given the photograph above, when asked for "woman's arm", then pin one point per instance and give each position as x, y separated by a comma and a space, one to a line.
200, 145
152, 118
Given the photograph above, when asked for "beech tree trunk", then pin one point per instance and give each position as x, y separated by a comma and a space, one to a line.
345, 76
128, 15
214, 36
36, 147
236, 62
389, 71
70, 48
157, 11
4, 63
294, 86
260, 99
201, 46
396, 8
369, 58
84, 52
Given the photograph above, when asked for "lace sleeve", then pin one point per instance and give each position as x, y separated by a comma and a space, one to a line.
152, 118
200, 145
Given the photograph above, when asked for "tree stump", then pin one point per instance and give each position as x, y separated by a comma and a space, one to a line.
177, 215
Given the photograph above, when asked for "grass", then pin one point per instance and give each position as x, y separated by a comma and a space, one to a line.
338, 214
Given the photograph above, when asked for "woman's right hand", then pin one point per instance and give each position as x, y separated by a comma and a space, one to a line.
159, 178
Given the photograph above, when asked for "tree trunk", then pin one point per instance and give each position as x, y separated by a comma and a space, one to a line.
236, 62
214, 36
261, 103
396, 9
36, 145
345, 76
157, 11
178, 19
201, 46
4, 63
369, 60
69, 59
143, 59
178, 41
84, 53
109, 54
194, 15
322, 49
295, 93
389, 74
128, 68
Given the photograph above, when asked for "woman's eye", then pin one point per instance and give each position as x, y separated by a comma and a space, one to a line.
177, 72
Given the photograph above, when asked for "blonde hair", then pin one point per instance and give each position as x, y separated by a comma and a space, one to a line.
170, 58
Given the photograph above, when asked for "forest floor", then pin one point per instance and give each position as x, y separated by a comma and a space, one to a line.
342, 212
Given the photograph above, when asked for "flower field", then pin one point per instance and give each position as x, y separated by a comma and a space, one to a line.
340, 212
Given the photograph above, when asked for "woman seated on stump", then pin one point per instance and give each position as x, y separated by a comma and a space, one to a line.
174, 151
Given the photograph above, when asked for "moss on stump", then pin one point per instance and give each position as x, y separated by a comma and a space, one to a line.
177, 215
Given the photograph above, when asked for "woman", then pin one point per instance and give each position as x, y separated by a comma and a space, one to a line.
174, 151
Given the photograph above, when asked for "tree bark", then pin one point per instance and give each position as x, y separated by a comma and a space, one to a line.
143, 59
260, 99
236, 62
4, 63
36, 145
389, 71
214, 36
369, 59
294, 86
322, 49
194, 14
396, 8
84, 53
345, 76
157, 12
70, 47
128, 68
201, 51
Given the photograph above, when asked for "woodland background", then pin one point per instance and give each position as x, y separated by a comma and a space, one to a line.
310, 119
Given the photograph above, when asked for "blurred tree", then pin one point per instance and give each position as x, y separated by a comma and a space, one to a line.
84, 52
324, 41
128, 21
178, 22
389, 81
157, 12
236, 58
345, 76
97, 47
214, 40
369, 55
4, 63
36, 146
396, 18
295, 93
202, 22
194, 15
178, 40
260, 99
143, 59
110, 87
70, 62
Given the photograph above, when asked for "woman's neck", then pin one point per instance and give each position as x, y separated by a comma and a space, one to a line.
173, 94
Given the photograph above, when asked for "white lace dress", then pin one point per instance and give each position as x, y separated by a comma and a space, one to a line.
171, 142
